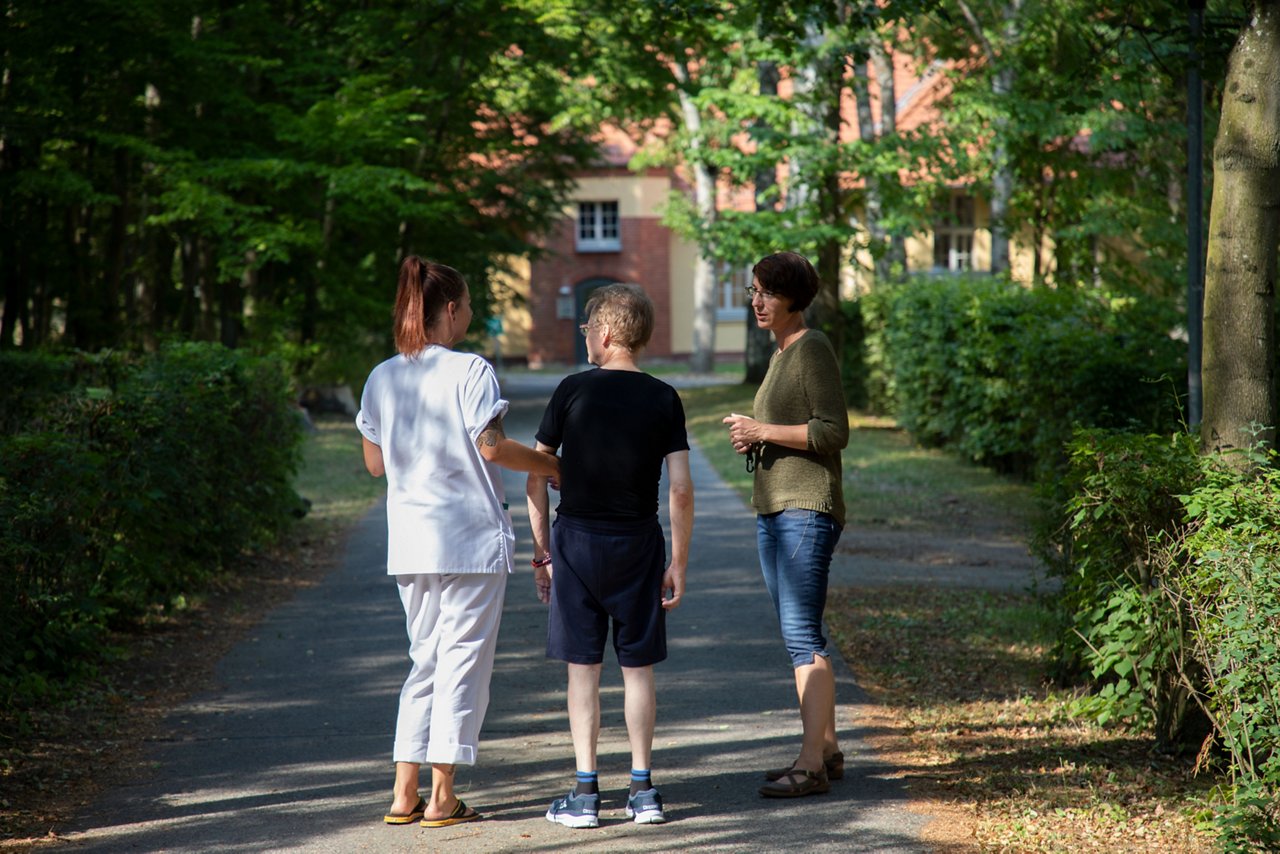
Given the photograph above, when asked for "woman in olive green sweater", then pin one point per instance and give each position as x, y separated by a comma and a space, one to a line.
793, 444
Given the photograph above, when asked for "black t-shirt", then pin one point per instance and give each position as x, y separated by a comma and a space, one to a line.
613, 429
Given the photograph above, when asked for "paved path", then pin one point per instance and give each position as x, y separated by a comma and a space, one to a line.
290, 750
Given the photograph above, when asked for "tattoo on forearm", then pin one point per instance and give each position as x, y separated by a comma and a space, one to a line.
491, 434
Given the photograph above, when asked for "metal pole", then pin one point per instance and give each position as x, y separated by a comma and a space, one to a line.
1195, 218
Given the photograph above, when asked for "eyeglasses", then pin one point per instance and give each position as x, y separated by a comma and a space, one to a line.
752, 293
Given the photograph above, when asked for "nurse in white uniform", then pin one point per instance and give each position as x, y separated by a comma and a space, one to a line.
431, 419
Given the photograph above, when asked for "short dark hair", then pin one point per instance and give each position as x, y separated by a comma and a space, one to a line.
789, 275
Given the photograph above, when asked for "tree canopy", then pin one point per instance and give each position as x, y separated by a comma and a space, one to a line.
254, 171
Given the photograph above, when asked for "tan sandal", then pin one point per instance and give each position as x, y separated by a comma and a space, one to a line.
833, 763
797, 783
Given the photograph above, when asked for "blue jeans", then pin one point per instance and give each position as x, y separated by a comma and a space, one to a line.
795, 556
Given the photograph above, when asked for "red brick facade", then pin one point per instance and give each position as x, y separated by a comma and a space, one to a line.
645, 259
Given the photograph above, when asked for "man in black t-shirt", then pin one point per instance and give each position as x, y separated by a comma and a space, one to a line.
614, 427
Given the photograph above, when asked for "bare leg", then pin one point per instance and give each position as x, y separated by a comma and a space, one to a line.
443, 802
584, 713
405, 793
642, 712
816, 688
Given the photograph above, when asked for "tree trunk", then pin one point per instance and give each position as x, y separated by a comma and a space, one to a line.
1244, 233
13, 277
824, 313
759, 342
1001, 178
1002, 88
309, 323
81, 311
895, 257
231, 310
873, 213
190, 285
702, 360
115, 256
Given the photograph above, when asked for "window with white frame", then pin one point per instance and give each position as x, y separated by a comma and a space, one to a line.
598, 227
953, 236
732, 281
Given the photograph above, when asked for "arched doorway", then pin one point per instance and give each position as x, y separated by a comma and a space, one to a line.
581, 293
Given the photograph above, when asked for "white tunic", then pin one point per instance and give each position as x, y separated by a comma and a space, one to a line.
446, 509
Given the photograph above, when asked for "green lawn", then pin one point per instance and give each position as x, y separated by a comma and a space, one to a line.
332, 475
888, 481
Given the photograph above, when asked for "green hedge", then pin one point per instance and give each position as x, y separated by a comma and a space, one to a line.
1002, 374
125, 483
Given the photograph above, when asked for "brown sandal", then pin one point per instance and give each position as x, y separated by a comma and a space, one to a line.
833, 763
796, 783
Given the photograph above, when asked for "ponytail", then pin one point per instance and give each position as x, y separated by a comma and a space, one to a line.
424, 290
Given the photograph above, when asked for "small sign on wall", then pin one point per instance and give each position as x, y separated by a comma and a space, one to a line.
564, 303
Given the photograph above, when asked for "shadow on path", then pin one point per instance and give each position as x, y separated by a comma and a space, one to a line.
290, 750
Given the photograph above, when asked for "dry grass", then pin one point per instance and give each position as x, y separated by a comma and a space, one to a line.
959, 677
987, 746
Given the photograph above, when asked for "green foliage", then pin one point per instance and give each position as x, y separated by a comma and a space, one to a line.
121, 498
1170, 562
33, 382
252, 173
1087, 104
1002, 374
1229, 590
1108, 545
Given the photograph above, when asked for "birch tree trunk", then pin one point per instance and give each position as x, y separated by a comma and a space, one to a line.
702, 360
1002, 88
1001, 179
896, 255
1244, 238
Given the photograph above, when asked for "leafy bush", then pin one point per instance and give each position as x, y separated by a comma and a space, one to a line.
1230, 593
120, 497
1003, 374
1110, 547
867, 378
33, 382
1170, 562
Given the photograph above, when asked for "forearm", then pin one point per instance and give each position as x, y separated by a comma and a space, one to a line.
787, 435
539, 514
512, 455
680, 507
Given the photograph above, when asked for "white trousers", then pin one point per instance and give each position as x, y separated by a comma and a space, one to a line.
452, 622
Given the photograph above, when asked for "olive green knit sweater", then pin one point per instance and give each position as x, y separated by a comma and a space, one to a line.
802, 386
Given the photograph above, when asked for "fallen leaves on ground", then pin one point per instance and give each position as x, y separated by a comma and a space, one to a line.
964, 708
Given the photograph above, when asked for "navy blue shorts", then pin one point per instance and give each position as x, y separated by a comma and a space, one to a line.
604, 571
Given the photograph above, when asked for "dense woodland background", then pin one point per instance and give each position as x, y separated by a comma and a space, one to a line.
251, 172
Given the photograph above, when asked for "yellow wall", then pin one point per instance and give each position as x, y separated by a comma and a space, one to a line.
731, 335
637, 195
512, 290
684, 257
